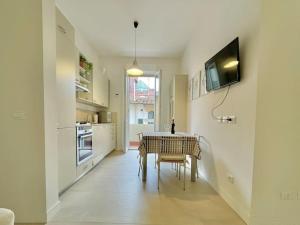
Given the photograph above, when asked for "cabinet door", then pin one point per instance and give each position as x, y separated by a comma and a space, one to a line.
114, 136
100, 89
66, 138
106, 139
97, 88
111, 137
77, 72
105, 90
65, 75
98, 141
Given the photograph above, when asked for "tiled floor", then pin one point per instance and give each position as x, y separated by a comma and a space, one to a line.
113, 194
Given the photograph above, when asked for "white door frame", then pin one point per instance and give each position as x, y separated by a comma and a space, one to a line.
157, 75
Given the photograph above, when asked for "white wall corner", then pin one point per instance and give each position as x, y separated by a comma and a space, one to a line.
240, 209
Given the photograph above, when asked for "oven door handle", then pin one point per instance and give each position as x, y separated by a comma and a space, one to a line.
86, 135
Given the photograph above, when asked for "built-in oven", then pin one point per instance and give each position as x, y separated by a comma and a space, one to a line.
84, 134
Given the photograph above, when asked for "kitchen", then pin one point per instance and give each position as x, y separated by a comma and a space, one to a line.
86, 130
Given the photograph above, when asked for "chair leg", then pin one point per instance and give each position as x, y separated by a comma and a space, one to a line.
179, 171
155, 160
184, 176
158, 174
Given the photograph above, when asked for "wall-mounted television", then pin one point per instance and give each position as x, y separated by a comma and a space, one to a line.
223, 69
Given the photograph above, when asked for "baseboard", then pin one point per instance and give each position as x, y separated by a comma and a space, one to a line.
30, 223
53, 206
236, 206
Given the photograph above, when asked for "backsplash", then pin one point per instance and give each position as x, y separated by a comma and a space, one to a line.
84, 115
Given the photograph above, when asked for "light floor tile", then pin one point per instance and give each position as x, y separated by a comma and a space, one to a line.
113, 194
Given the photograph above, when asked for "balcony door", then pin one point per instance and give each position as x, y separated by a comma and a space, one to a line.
142, 107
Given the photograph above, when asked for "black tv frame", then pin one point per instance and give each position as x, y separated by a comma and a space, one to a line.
212, 59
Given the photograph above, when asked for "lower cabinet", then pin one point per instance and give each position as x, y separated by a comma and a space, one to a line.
66, 139
84, 167
104, 140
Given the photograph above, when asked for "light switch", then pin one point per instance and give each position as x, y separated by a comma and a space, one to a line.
20, 115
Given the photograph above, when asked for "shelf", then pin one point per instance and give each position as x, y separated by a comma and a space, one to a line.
88, 102
84, 71
84, 80
81, 69
80, 87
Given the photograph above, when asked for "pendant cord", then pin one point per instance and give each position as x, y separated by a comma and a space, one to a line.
135, 44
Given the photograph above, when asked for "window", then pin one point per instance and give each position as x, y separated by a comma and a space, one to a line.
151, 115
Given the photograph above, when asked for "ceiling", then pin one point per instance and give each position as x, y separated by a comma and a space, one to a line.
165, 25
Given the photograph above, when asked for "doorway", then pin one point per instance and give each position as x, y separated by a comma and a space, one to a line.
142, 99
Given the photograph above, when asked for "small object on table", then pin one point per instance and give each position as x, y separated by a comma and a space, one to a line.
173, 126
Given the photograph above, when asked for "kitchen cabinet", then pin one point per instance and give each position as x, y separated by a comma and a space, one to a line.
66, 139
100, 89
104, 140
178, 101
84, 168
65, 72
77, 69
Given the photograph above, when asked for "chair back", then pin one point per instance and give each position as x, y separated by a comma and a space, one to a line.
177, 145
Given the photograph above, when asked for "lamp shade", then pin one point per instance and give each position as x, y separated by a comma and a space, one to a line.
135, 70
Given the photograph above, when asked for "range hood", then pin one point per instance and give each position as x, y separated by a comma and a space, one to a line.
80, 87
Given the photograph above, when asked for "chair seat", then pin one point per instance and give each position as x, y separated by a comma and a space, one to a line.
172, 158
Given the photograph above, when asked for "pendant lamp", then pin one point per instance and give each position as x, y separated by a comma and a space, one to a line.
135, 70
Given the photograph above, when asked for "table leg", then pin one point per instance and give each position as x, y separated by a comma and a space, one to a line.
145, 167
193, 168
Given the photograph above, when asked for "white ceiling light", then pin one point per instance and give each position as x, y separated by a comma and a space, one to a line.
135, 70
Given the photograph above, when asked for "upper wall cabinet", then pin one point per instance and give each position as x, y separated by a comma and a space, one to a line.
100, 89
84, 78
94, 84
65, 27
65, 72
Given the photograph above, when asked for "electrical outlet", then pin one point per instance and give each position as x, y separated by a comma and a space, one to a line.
290, 195
226, 119
231, 119
220, 119
20, 115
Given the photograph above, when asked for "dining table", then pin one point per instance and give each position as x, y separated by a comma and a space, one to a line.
149, 144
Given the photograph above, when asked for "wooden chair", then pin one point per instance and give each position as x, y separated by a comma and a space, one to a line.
172, 151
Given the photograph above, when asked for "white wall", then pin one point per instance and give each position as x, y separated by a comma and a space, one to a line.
134, 129
25, 67
276, 181
115, 67
229, 149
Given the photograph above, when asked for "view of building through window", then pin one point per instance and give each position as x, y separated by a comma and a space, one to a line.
142, 92
142, 105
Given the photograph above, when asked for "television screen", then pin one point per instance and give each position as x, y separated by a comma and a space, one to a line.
224, 68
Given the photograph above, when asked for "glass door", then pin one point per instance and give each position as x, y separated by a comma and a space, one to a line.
142, 107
